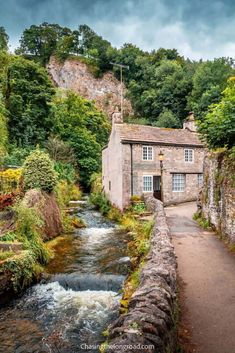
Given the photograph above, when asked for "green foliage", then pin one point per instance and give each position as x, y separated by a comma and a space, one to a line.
3, 132
4, 38
23, 269
168, 120
202, 221
209, 81
16, 155
218, 127
5, 254
27, 91
29, 227
66, 172
84, 129
100, 200
159, 86
139, 207
38, 172
9, 236
66, 192
40, 42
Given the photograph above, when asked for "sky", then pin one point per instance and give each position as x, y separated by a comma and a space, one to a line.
196, 28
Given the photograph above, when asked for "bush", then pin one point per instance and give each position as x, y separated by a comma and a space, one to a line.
29, 227
10, 180
101, 202
66, 171
38, 172
66, 192
16, 156
218, 127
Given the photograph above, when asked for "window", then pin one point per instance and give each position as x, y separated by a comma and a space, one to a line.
109, 185
200, 180
188, 156
178, 182
147, 153
147, 183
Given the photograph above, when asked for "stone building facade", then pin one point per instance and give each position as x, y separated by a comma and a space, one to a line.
131, 166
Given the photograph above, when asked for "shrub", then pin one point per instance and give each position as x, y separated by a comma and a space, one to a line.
10, 180
66, 172
5, 254
16, 156
38, 172
101, 202
7, 200
29, 227
66, 192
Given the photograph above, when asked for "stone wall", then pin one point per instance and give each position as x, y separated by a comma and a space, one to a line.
217, 199
75, 75
149, 325
173, 163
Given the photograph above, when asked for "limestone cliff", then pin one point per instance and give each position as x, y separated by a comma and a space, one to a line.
75, 75
217, 200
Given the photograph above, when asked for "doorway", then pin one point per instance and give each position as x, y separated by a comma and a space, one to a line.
157, 187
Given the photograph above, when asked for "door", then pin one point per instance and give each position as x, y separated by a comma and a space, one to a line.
157, 187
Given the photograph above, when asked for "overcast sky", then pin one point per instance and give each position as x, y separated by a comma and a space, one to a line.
197, 28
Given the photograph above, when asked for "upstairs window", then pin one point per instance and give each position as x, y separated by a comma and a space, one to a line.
147, 183
147, 153
178, 182
188, 155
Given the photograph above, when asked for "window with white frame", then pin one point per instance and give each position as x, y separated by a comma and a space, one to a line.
147, 153
147, 183
200, 180
188, 155
178, 182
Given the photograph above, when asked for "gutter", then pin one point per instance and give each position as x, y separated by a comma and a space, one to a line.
161, 143
132, 186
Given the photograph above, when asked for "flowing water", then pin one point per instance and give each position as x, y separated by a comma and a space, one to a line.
68, 312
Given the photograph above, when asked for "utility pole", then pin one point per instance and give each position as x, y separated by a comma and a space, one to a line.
121, 67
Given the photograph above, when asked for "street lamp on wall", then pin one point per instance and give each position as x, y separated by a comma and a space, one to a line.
161, 159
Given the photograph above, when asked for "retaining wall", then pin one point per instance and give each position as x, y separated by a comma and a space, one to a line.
150, 324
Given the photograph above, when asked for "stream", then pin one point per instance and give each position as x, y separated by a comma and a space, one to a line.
68, 311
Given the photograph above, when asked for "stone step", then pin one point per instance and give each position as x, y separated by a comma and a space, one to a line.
10, 246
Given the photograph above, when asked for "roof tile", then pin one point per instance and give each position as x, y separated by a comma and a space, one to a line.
150, 134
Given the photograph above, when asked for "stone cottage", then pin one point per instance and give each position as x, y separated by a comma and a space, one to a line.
140, 159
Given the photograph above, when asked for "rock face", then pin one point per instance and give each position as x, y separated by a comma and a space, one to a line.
149, 325
47, 206
75, 75
217, 199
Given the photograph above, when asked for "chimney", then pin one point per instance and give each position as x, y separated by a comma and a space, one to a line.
117, 117
189, 123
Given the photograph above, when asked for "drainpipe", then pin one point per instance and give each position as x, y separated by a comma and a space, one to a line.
132, 186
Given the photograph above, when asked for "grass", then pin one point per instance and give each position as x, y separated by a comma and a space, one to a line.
202, 221
5, 254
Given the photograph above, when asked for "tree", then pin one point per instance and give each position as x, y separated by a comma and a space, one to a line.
159, 87
3, 132
38, 172
168, 120
28, 92
67, 45
78, 122
218, 126
127, 55
209, 81
4, 38
41, 41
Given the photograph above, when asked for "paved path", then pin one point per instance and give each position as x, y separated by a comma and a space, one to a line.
208, 271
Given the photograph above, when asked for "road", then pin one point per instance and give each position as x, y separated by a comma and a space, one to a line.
207, 271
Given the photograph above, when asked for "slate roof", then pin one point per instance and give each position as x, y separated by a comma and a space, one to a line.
156, 135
